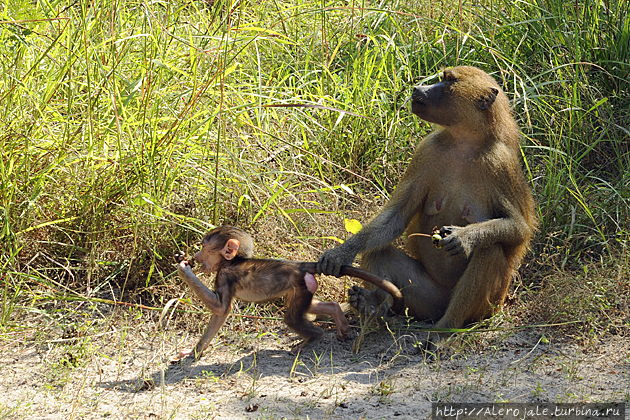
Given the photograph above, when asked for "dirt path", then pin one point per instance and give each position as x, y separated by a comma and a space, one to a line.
121, 371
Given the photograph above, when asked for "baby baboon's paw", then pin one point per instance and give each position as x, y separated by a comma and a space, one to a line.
183, 357
179, 256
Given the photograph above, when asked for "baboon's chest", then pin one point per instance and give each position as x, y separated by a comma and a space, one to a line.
456, 194
455, 204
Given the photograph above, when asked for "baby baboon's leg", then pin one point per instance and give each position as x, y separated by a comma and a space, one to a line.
298, 302
333, 310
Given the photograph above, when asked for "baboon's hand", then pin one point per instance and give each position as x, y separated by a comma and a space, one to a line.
183, 268
180, 256
331, 261
455, 241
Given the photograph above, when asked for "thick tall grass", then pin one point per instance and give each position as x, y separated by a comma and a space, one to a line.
129, 128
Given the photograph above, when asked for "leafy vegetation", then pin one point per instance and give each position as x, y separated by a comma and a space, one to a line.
129, 128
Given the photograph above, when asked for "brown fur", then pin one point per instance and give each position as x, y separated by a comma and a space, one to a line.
466, 178
226, 251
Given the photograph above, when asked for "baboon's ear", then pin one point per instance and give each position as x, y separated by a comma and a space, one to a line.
230, 249
487, 99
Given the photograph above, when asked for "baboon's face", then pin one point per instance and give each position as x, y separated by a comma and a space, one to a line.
461, 96
427, 101
209, 257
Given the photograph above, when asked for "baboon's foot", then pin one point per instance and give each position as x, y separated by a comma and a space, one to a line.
370, 305
306, 345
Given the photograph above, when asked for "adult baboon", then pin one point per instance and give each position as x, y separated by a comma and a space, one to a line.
466, 178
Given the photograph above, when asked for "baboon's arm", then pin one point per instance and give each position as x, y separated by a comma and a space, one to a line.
388, 225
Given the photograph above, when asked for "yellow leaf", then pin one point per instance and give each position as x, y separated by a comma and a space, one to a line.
353, 226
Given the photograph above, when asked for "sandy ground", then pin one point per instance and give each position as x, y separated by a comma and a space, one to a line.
119, 369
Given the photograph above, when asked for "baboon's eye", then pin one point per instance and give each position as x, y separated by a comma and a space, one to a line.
449, 77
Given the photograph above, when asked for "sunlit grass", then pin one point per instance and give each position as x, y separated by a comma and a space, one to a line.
129, 128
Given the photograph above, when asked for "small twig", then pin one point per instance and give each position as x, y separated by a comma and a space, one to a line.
60, 265
35, 329
111, 302
18, 340
149, 308
435, 237
420, 234
3, 22
481, 330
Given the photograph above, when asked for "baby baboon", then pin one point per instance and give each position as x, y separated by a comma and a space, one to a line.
466, 178
227, 250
